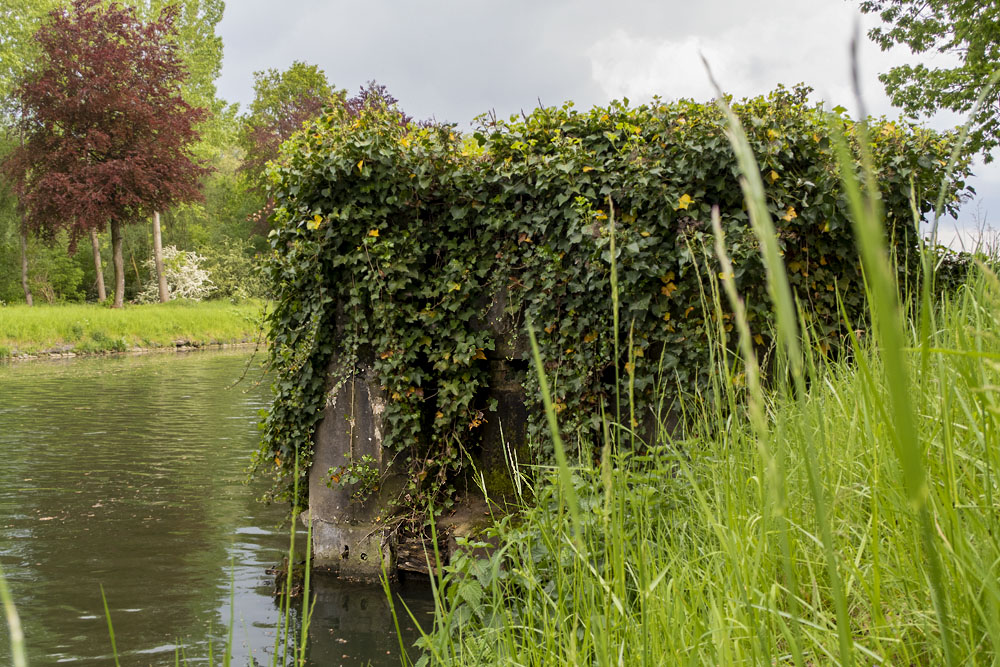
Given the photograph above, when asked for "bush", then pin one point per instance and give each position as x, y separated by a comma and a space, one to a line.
186, 279
398, 239
235, 270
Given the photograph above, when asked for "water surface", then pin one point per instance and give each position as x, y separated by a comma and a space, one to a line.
129, 473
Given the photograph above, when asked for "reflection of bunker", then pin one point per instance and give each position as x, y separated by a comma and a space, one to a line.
349, 536
352, 623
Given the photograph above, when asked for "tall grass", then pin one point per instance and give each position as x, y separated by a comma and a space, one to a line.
847, 514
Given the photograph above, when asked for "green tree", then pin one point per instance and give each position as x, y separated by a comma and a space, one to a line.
968, 30
282, 102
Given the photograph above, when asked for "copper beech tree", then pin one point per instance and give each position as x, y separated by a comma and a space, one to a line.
107, 132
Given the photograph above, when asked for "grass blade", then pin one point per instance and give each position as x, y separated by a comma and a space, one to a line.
18, 653
111, 629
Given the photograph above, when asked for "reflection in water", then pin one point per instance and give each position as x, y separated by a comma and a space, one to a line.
129, 473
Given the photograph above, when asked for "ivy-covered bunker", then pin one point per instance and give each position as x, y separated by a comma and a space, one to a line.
406, 261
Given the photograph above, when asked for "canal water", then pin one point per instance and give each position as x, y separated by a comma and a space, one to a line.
129, 474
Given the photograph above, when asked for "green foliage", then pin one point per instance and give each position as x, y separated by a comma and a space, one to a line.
54, 274
968, 30
362, 474
235, 270
392, 241
282, 102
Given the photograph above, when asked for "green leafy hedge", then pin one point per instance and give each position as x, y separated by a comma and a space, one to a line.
391, 241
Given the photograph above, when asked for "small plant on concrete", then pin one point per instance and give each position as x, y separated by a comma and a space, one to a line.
362, 474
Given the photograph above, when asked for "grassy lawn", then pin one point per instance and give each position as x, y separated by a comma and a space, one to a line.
89, 328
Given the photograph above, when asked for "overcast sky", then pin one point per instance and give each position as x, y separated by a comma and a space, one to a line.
455, 59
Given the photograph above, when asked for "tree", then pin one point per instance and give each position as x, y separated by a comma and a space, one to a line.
107, 131
966, 29
282, 102
196, 39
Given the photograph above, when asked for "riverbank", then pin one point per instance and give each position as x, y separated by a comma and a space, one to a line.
81, 329
822, 535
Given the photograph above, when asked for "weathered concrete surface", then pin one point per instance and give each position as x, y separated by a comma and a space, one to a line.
505, 428
348, 535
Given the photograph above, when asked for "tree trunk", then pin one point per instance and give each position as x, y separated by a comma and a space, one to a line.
24, 268
118, 260
158, 258
102, 295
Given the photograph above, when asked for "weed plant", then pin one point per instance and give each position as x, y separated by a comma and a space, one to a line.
845, 513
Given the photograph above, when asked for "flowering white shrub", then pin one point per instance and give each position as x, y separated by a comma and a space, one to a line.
185, 277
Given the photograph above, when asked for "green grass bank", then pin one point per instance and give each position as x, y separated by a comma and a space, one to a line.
95, 329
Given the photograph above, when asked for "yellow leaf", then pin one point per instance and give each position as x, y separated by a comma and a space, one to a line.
815, 137
771, 134
361, 164
667, 278
480, 354
373, 232
773, 176
630, 368
790, 214
590, 338
549, 329
586, 169
668, 289
639, 352
758, 339
684, 202
455, 287
688, 311
439, 415
826, 226
315, 222
644, 234
666, 317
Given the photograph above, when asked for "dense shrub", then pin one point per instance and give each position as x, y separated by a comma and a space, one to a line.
234, 267
392, 241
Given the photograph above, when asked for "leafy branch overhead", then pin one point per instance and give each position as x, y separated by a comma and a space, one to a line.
967, 34
391, 242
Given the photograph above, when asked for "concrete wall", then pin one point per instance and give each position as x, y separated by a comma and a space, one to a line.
350, 537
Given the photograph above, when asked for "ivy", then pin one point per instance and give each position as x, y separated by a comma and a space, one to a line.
392, 242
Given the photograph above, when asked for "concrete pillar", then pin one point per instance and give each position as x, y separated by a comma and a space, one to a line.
348, 535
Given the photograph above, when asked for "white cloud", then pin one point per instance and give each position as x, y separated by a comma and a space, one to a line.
639, 68
792, 41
